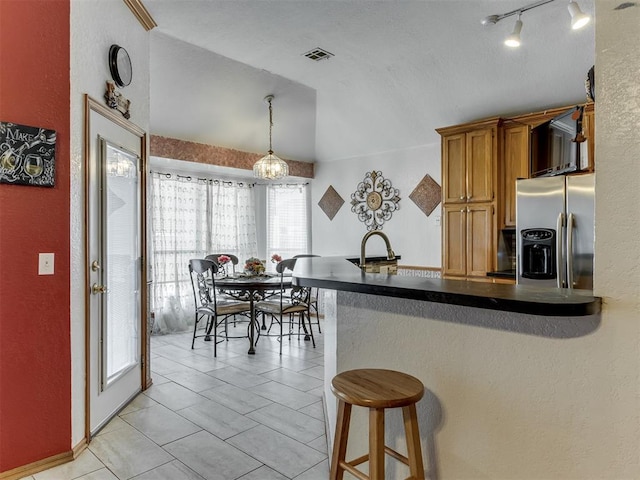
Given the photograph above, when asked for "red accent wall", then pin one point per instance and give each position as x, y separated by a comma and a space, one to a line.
35, 352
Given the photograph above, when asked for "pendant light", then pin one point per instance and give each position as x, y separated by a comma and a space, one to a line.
270, 167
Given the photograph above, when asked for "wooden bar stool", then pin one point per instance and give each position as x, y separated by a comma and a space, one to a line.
376, 389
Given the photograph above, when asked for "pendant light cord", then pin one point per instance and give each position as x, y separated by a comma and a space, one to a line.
270, 127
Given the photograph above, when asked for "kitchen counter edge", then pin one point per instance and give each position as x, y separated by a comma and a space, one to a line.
337, 273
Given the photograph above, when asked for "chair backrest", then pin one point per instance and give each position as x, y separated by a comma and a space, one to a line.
215, 256
299, 295
202, 273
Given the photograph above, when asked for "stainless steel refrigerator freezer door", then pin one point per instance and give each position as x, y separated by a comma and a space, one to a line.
580, 230
539, 202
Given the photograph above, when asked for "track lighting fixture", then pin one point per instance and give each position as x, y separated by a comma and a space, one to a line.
578, 19
513, 40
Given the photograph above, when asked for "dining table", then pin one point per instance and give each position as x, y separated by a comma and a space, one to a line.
252, 288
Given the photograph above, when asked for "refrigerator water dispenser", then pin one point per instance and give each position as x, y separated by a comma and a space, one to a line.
538, 253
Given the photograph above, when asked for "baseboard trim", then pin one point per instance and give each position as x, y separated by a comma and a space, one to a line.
45, 463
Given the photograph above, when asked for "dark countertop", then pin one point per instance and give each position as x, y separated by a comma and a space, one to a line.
511, 274
337, 273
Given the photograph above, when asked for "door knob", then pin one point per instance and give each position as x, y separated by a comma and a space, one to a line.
96, 289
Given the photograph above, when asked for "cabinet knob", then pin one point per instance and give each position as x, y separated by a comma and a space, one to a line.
462, 197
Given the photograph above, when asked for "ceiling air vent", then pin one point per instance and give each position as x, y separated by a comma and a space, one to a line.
318, 54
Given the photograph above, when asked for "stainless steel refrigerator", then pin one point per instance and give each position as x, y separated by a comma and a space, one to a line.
555, 231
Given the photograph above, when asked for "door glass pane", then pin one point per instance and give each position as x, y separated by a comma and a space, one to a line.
121, 197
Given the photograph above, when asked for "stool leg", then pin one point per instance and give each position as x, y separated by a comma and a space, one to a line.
376, 443
340, 442
413, 441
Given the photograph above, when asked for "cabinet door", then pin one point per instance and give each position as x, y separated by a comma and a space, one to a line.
454, 186
480, 247
516, 165
454, 240
479, 165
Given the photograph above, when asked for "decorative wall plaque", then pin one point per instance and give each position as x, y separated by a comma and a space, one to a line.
27, 155
427, 195
331, 202
116, 100
375, 200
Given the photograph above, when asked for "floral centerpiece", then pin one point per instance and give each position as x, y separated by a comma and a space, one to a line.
223, 260
254, 266
275, 258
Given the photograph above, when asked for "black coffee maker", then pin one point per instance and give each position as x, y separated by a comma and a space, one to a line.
539, 253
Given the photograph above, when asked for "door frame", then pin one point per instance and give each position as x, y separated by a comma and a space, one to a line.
91, 105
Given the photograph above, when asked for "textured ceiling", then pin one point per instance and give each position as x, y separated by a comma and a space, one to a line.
400, 70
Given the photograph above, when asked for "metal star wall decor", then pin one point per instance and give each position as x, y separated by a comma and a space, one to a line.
375, 200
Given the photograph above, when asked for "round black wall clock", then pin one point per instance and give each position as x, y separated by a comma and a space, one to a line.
120, 66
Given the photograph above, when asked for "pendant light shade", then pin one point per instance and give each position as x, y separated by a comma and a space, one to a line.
270, 167
578, 18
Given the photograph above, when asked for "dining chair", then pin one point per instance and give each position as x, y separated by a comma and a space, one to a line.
202, 273
315, 293
288, 304
233, 260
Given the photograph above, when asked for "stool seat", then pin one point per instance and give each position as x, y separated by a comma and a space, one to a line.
377, 390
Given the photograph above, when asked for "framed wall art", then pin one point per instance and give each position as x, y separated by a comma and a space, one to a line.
375, 200
27, 155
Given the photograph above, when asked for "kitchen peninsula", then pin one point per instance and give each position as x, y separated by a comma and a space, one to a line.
506, 368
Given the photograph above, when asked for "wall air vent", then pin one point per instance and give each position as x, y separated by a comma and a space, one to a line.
318, 54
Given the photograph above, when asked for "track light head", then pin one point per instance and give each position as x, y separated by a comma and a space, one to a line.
578, 18
513, 40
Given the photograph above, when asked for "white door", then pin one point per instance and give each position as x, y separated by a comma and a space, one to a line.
114, 270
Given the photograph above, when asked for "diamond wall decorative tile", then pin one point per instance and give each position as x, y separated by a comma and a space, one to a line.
427, 195
331, 202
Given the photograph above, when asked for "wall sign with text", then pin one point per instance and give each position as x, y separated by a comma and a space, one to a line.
27, 155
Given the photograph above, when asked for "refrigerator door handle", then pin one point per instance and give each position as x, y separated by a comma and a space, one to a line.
570, 222
559, 244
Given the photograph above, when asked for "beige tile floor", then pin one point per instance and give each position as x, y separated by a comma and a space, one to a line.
237, 416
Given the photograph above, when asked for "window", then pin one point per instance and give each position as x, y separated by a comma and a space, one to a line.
287, 220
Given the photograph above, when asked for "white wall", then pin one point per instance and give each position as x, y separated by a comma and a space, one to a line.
413, 235
95, 26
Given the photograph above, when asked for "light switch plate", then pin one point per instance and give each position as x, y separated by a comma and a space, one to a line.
45, 263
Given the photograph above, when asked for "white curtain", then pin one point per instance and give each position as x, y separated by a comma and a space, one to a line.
191, 218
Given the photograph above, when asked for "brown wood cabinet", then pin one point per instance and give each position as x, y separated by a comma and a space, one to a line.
515, 165
468, 165
468, 238
470, 178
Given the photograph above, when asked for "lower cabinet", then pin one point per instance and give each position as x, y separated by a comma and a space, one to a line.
468, 240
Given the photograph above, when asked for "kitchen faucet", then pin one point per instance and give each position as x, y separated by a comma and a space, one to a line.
390, 254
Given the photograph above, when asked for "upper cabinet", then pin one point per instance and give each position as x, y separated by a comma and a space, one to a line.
469, 162
515, 165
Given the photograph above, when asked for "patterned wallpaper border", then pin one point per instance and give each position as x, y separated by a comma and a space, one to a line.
166, 147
